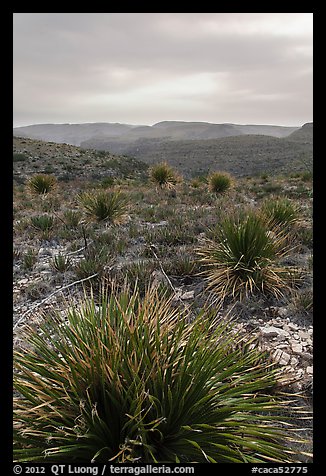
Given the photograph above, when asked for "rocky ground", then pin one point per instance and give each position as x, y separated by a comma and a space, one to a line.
156, 243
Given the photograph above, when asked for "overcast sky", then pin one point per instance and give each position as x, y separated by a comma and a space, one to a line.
142, 68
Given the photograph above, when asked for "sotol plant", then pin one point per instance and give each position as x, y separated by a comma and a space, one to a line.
163, 175
41, 183
219, 182
243, 257
129, 380
108, 206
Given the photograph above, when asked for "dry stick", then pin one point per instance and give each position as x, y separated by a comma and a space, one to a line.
166, 276
50, 295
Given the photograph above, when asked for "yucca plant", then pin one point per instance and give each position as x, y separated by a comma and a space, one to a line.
242, 259
126, 379
108, 206
41, 183
219, 182
163, 175
61, 263
280, 211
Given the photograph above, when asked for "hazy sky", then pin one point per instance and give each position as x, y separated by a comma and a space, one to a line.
142, 68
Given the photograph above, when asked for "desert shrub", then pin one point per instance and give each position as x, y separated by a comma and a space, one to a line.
163, 175
101, 205
219, 182
171, 235
127, 380
19, 157
97, 259
182, 265
41, 183
107, 182
243, 257
37, 290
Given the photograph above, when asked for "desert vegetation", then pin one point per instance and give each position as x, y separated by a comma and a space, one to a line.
155, 326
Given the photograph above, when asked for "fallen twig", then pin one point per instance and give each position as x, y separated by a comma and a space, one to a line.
50, 295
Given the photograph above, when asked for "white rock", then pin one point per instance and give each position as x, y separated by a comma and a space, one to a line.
297, 348
282, 311
272, 331
304, 335
284, 360
310, 370
294, 361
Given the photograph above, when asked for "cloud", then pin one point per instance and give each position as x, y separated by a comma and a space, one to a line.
64, 61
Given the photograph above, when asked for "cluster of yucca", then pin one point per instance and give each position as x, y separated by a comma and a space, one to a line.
126, 379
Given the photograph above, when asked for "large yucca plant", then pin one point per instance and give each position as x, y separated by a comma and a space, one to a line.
41, 184
243, 258
163, 175
101, 205
129, 380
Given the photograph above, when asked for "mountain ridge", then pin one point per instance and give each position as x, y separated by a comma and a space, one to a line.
75, 134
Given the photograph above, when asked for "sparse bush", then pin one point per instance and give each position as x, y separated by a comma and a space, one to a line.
19, 157
219, 182
163, 175
41, 184
105, 206
243, 257
107, 182
72, 218
128, 380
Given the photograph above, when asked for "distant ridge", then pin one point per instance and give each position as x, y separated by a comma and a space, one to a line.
76, 134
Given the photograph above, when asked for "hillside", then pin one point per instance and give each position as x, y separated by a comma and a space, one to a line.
68, 162
240, 155
64, 249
